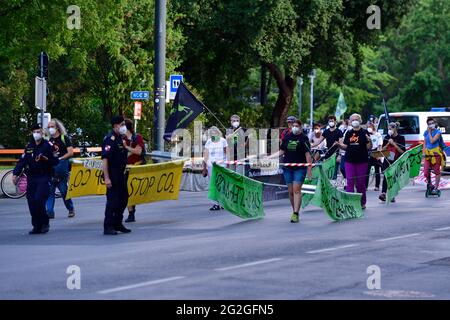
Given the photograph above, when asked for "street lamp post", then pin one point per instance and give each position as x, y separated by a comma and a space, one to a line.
300, 84
160, 74
312, 75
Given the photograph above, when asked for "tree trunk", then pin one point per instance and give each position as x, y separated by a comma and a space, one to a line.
286, 86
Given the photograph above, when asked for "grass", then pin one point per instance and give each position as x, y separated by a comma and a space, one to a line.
6, 167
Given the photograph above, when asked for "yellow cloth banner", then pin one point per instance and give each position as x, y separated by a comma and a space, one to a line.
147, 183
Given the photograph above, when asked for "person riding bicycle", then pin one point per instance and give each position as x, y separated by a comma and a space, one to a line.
37, 161
433, 153
63, 149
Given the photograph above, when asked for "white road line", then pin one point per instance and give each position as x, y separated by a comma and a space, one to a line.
138, 285
248, 264
333, 248
399, 237
442, 229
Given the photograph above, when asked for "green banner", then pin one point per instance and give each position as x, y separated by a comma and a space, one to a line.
236, 193
398, 174
339, 205
328, 166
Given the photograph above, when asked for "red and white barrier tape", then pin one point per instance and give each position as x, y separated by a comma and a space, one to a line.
237, 162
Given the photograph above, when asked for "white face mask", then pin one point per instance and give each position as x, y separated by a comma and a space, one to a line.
295, 130
235, 124
316, 130
52, 131
123, 129
342, 128
432, 126
390, 132
331, 124
355, 124
37, 136
370, 130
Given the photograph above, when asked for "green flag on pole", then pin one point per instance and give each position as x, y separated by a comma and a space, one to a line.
341, 107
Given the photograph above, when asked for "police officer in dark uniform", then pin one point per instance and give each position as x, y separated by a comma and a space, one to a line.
37, 161
114, 156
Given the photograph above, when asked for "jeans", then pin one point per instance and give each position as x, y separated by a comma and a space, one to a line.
296, 176
59, 180
342, 165
356, 174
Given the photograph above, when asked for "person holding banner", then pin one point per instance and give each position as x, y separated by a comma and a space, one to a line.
114, 158
63, 149
356, 144
215, 152
394, 144
433, 153
239, 141
134, 144
296, 150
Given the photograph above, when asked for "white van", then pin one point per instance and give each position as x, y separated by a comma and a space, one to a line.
414, 124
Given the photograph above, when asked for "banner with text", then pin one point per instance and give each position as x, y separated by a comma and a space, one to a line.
236, 193
406, 167
146, 183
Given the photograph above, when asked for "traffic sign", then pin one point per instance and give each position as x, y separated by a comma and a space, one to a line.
140, 95
137, 110
47, 118
175, 80
40, 93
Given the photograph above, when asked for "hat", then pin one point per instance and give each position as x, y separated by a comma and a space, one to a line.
116, 120
291, 119
235, 117
36, 126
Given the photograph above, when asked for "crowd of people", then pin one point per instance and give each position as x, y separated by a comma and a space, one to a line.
358, 147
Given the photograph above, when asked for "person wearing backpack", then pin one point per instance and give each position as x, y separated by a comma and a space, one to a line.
136, 156
63, 149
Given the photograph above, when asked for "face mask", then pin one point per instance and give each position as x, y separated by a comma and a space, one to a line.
331, 124
295, 130
235, 124
342, 128
432, 126
214, 138
123, 129
316, 130
391, 132
355, 123
52, 131
37, 136
370, 130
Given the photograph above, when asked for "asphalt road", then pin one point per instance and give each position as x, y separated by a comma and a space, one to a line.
180, 250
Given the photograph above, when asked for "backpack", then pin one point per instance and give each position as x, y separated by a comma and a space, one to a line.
144, 150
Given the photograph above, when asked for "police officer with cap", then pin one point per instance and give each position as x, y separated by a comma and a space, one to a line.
114, 157
37, 161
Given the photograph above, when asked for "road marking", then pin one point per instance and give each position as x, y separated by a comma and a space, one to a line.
442, 229
138, 285
248, 264
399, 237
333, 248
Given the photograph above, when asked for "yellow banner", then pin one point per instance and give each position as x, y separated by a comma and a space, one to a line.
147, 183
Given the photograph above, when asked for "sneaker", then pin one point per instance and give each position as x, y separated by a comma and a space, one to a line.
294, 218
393, 200
71, 214
122, 229
130, 217
363, 207
51, 215
45, 228
214, 208
382, 197
376, 189
35, 231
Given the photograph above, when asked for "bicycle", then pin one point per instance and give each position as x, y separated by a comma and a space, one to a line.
11, 190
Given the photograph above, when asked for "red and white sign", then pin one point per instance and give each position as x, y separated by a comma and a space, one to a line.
443, 184
137, 110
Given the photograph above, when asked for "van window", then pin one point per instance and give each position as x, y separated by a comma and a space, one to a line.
408, 124
443, 124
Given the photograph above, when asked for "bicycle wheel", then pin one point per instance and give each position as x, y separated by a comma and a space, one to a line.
11, 190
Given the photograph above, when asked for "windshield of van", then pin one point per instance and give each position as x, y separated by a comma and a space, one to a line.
408, 124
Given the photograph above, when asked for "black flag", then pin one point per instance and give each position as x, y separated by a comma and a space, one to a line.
386, 113
185, 109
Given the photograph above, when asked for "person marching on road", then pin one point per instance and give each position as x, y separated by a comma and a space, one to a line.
433, 153
63, 149
136, 156
114, 157
296, 149
237, 138
290, 120
377, 144
395, 144
37, 161
215, 151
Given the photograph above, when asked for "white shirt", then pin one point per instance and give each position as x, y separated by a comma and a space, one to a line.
377, 140
216, 151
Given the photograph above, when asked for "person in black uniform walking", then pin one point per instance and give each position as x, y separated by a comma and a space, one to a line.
37, 161
114, 156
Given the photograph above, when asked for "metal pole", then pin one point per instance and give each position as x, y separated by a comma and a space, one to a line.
41, 71
300, 84
160, 73
311, 115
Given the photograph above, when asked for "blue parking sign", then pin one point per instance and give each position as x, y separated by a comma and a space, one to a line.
175, 80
